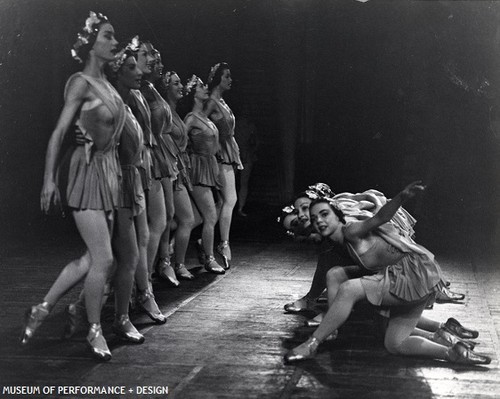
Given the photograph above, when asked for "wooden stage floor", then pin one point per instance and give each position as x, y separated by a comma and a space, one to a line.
226, 335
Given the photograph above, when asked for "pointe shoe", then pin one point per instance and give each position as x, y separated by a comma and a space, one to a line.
182, 273
460, 354
97, 343
212, 266
242, 214
76, 320
33, 319
202, 256
166, 272
300, 305
224, 250
126, 330
443, 337
453, 326
305, 351
445, 295
147, 303
315, 322
333, 336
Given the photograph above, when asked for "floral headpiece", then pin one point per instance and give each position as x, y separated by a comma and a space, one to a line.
287, 210
316, 191
319, 190
211, 75
121, 56
192, 83
88, 33
167, 76
322, 191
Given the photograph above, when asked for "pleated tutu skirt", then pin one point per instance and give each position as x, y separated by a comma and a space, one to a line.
146, 167
164, 163
230, 153
96, 184
205, 171
413, 278
132, 193
184, 176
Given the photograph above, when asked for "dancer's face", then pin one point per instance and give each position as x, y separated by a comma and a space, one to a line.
157, 68
324, 220
174, 88
130, 75
201, 92
105, 44
302, 207
226, 80
145, 58
291, 222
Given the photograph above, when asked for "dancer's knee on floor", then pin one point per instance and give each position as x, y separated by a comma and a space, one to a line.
395, 345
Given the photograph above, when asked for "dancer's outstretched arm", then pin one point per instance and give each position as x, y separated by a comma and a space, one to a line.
384, 215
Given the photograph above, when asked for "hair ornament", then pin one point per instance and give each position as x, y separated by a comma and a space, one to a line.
324, 192
213, 70
192, 83
89, 32
312, 195
320, 190
124, 53
167, 76
289, 209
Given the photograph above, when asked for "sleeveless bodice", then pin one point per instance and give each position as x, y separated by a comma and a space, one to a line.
142, 113
94, 174
180, 138
375, 253
101, 119
226, 123
131, 154
204, 141
164, 152
203, 145
179, 132
161, 115
130, 146
229, 152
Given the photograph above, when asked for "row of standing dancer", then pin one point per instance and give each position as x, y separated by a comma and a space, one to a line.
137, 172
368, 253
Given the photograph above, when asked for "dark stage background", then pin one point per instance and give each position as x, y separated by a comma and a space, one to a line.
358, 95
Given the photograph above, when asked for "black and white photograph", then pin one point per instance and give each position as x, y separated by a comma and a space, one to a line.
250, 199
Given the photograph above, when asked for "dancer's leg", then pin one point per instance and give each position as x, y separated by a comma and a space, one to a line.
244, 181
95, 229
184, 216
168, 192
127, 255
142, 231
348, 294
229, 199
427, 324
157, 221
206, 205
402, 323
335, 277
71, 275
